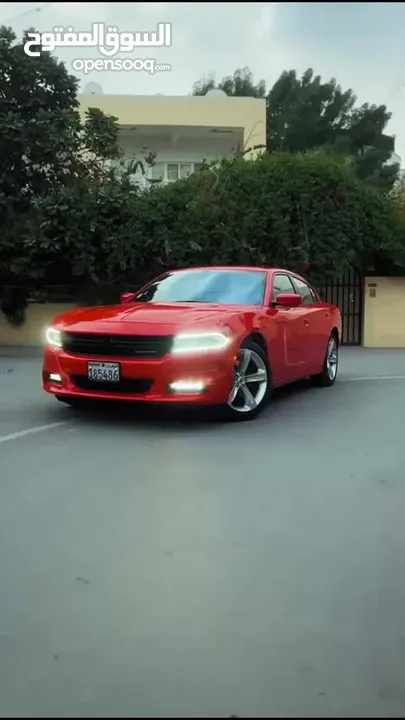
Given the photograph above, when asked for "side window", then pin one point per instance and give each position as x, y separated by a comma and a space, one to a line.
315, 298
308, 296
281, 284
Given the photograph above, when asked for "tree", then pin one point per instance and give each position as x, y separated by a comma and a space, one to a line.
43, 140
308, 114
240, 84
44, 143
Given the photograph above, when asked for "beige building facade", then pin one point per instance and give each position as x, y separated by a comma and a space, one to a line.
182, 131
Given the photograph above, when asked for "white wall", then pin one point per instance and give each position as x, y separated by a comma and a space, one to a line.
181, 149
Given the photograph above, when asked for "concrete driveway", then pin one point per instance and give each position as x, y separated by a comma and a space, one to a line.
159, 567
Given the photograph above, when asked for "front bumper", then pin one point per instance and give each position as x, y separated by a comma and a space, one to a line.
142, 380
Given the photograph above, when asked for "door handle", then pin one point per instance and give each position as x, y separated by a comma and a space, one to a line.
306, 323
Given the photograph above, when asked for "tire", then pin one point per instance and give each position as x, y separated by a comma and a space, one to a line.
236, 409
330, 369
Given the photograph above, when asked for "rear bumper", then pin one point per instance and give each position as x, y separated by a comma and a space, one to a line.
142, 380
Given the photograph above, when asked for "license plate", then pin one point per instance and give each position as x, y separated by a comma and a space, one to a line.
103, 372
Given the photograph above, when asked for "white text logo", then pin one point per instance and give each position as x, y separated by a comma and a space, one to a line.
109, 40
128, 65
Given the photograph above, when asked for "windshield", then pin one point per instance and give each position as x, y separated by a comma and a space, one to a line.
233, 287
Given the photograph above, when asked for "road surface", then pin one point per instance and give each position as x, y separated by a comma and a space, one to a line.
156, 566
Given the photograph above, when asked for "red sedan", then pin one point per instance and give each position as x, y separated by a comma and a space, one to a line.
222, 336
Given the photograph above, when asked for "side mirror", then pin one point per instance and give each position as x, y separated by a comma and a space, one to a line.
290, 300
126, 298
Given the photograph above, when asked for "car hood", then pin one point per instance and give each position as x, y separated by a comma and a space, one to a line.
147, 317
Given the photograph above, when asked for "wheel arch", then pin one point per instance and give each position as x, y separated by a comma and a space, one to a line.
259, 339
335, 332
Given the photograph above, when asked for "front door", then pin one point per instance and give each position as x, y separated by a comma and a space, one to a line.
291, 333
317, 325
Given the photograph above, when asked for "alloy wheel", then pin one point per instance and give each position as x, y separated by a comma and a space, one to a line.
250, 381
332, 358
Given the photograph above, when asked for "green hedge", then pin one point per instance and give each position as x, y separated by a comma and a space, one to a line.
279, 210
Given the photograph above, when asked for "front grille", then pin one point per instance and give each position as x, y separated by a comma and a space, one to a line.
118, 346
125, 386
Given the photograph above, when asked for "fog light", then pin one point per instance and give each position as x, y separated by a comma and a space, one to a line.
55, 377
187, 386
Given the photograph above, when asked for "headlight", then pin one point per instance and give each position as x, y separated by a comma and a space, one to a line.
199, 342
53, 337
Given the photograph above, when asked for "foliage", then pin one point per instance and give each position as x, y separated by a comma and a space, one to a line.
76, 230
43, 140
279, 210
68, 217
240, 84
308, 114
45, 146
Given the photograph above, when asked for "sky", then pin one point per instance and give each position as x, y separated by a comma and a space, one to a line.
359, 44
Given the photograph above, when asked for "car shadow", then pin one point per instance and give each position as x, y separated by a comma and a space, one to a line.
164, 417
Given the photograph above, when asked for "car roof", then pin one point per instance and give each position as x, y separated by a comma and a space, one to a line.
238, 267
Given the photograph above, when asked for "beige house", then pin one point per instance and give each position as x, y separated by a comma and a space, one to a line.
183, 131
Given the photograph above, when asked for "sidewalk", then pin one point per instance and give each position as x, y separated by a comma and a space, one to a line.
21, 351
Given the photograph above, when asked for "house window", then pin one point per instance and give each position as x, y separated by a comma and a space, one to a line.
185, 170
157, 171
176, 171
172, 172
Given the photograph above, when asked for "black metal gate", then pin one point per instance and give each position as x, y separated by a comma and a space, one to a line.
347, 293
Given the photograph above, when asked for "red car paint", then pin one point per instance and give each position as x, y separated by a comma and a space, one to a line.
296, 339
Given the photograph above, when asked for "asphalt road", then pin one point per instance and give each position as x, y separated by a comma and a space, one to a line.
155, 566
